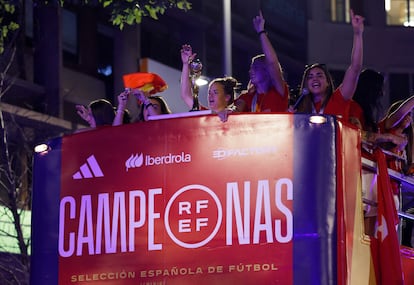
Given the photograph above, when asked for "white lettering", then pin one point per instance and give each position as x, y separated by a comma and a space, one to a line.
111, 226
283, 231
85, 229
134, 224
119, 215
167, 159
242, 226
201, 222
69, 200
151, 217
262, 203
184, 226
201, 204
102, 220
184, 207
259, 150
285, 210
109, 222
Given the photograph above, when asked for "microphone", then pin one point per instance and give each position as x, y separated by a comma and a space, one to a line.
305, 92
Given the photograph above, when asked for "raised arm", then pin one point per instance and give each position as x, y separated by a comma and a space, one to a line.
373, 138
398, 115
273, 64
350, 81
122, 102
86, 114
186, 92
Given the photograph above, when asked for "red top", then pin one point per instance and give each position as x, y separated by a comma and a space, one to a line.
272, 101
336, 105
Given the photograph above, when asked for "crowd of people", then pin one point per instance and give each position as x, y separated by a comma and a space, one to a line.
355, 100
267, 90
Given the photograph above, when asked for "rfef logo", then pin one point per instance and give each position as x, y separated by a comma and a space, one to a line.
193, 216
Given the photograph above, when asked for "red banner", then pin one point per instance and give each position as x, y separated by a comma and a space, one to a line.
259, 199
174, 201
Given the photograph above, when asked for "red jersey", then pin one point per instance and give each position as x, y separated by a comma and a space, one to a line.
336, 105
271, 101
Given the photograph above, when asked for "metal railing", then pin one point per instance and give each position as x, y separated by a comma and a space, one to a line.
404, 179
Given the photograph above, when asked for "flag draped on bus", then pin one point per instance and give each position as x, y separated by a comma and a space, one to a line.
384, 245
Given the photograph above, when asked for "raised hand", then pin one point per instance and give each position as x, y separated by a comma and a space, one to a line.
187, 54
140, 95
122, 100
86, 114
400, 141
258, 22
357, 22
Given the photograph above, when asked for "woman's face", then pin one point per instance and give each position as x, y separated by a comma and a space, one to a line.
152, 109
316, 81
217, 99
258, 73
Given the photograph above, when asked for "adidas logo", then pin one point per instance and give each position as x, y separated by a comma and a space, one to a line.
90, 169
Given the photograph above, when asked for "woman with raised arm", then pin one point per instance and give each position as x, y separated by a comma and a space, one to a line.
267, 89
98, 113
143, 86
221, 91
323, 98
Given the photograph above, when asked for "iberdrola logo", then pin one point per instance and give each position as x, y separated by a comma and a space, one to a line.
134, 161
138, 160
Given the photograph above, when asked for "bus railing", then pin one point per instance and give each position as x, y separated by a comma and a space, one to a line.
407, 181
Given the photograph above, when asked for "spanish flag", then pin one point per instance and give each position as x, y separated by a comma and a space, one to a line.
145, 81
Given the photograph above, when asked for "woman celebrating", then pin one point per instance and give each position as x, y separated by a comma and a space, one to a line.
322, 98
221, 91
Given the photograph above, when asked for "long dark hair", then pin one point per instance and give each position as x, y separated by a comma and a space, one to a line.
306, 105
164, 107
368, 94
102, 111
